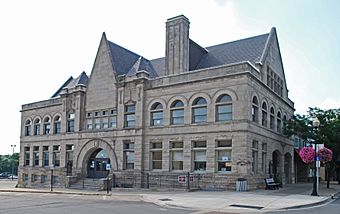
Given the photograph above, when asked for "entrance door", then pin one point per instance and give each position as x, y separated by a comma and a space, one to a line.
98, 165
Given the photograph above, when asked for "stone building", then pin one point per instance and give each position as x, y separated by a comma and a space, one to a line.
216, 112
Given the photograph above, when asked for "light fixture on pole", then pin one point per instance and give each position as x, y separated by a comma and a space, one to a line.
13, 146
315, 124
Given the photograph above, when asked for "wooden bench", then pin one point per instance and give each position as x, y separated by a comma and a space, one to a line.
271, 184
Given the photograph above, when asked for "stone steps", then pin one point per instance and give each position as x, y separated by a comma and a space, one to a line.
88, 184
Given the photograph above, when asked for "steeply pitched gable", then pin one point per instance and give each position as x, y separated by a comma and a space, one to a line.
272, 55
101, 91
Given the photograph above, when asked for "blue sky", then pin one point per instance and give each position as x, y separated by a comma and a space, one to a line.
42, 43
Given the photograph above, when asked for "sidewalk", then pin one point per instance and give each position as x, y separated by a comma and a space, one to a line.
290, 196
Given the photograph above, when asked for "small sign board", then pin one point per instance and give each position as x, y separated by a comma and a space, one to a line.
108, 167
182, 179
317, 163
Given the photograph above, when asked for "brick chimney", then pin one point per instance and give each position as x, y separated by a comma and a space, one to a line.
177, 45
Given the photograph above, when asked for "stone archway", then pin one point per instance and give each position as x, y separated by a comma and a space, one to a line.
287, 167
91, 147
276, 165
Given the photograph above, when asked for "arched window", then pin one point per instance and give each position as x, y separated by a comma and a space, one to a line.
28, 127
278, 122
199, 110
157, 114
47, 126
284, 121
255, 110
264, 114
224, 108
37, 127
70, 122
272, 118
177, 113
57, 125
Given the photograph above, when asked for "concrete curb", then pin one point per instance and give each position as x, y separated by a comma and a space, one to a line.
328, 199
55, 192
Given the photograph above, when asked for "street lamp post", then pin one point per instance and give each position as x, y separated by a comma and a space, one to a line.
316, 124
13, 146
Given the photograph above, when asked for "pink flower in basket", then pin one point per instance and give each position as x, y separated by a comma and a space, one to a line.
325, 154
307, 154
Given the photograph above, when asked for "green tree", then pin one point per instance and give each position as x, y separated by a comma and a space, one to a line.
7, 161
327, 133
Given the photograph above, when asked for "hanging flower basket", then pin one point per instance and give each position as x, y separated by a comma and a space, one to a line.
307, 154
325, 154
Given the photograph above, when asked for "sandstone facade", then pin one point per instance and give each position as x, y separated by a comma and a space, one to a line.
216, 111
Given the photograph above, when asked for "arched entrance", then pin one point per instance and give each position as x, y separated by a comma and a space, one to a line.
94, 158
99, 164
276, 165
287, 167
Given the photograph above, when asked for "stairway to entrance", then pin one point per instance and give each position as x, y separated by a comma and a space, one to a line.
88, 184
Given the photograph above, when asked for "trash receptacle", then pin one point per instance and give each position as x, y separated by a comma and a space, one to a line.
241, 185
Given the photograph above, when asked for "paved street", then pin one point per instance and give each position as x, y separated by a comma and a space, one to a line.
330, 208
26, 200
36, 203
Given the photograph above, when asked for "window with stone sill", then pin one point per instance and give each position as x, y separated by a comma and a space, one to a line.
129, 116
176, 156
199, 155
36, 156
97, 123
128, 155
113, 118
264, 114
272, 118
46, 156
56, 156
199, 110
255, 110
254, 164
34, 178
43, 178
25, 177
70, 122
89, 124
28, 127
223, 155
177, 113
278, 122
47, 126
156, 115
37, 127
224, 108
105, 122
26, 156
57, 125
156, 155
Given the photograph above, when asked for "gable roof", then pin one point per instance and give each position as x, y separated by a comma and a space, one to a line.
122, 58
82, 79
126, 62
249, 49
142, 64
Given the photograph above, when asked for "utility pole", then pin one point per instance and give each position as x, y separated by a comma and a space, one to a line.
13, 146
